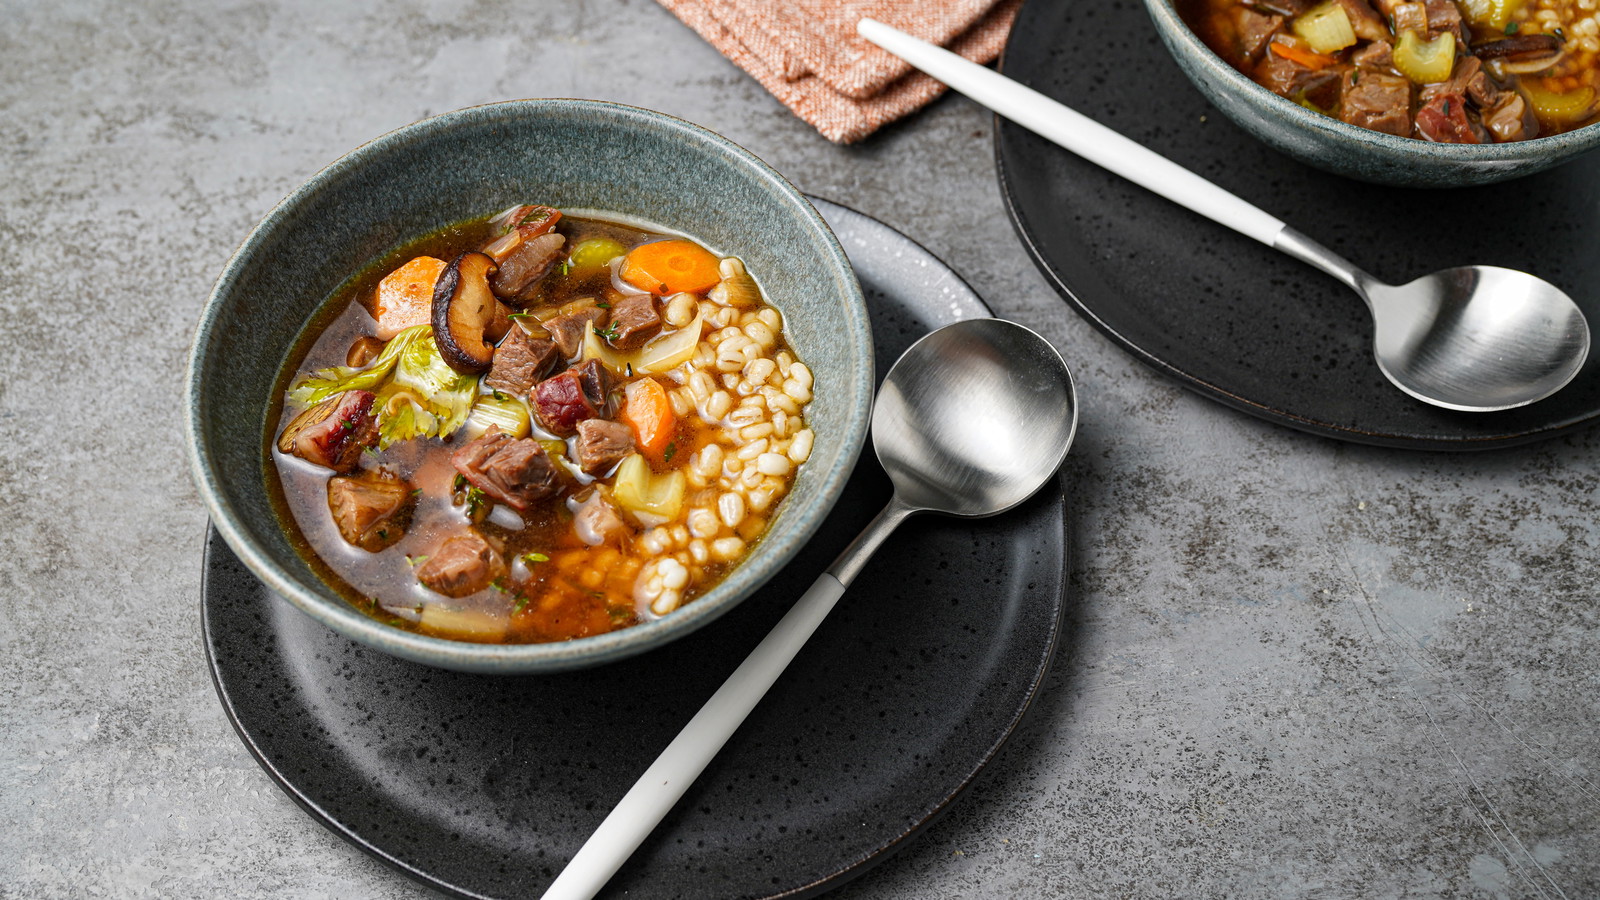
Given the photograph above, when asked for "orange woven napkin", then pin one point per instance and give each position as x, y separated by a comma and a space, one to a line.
807, 53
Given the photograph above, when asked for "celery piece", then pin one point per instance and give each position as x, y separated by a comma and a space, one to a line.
638, 489
594, 253
510, 415
1325, 27
1425, 62
1564, 108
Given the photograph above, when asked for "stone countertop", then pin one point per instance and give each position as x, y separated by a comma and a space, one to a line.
1292, 667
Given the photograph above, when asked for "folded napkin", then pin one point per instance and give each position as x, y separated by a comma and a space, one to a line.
807, 53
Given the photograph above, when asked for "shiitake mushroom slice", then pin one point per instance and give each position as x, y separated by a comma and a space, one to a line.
463, 311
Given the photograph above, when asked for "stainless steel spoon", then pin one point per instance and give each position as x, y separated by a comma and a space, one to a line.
1475, 338
971, 421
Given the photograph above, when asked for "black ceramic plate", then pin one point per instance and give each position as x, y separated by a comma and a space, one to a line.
485, 786
1229, 317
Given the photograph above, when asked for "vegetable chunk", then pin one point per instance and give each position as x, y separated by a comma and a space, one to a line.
405, 296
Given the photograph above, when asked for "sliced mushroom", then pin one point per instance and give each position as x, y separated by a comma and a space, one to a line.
1522, 54
363, 350
464, 311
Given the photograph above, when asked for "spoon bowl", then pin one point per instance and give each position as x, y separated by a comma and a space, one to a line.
973, 417
970, 421
1477, 338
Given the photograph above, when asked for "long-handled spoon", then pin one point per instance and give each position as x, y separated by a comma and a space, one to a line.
1473, 338
971, 421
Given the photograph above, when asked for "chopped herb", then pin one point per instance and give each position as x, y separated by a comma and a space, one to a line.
459, 483
565, 267
522, 604
416, 492
500, 395
1355, 76
499, 584
531, 558
609, 332
630, 370
602, 304
383, 534
1447, 107
347, 425
600, 594
415, 560
1511, 28
396, 622
672, 449
475, 501
619, 614
520, 315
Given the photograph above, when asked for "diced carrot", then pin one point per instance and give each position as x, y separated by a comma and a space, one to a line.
668, 267
1312, 61
405, 296
646, 408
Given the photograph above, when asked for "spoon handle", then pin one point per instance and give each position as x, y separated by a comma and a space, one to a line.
659, 788
1078, 133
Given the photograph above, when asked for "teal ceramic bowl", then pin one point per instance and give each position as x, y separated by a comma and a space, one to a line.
462, 165
1333, 146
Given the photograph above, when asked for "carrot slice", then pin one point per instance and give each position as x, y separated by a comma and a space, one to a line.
1312, 61
668, 267
405, 296
646, 408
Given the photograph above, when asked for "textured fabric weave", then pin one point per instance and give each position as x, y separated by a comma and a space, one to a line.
807, 53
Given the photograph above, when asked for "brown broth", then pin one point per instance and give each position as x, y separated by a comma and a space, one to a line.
559, 587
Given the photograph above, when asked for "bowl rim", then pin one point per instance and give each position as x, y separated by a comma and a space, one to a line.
1168, 22
336, 613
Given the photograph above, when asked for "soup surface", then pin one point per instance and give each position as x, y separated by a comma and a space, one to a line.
1473, 71
539, 427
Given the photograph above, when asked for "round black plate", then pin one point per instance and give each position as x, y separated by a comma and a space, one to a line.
1236, 320
485, 786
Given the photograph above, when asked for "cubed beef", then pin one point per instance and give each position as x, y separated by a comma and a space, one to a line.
1365, 21
1444, 15
520, 361
1510, 118
371, 510
526, 265
1377, 100
1444, 119
1254, 29
567, 330
602, 444
634, 320
1409, 17
508, 470
334, 432
1288, 78
1376, 55
596, 521
563, 400
462, 565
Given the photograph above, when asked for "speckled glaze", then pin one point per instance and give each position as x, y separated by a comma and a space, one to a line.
1333, 146
485, 787
463, 164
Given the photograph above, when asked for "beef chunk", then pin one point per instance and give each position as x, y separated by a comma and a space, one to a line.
634, 320
1379, 101
1510, 118
602, 444
371, 510
1288, 78
1409, 17
462, 565
1444, 15
526, 265
1254, 31
1376, 55
510, 471
1444, 119
567, 330
596, 521
520, 361
1365, 21
561, 401
334, 432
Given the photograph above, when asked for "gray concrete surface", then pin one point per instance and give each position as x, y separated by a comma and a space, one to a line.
1294, 668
